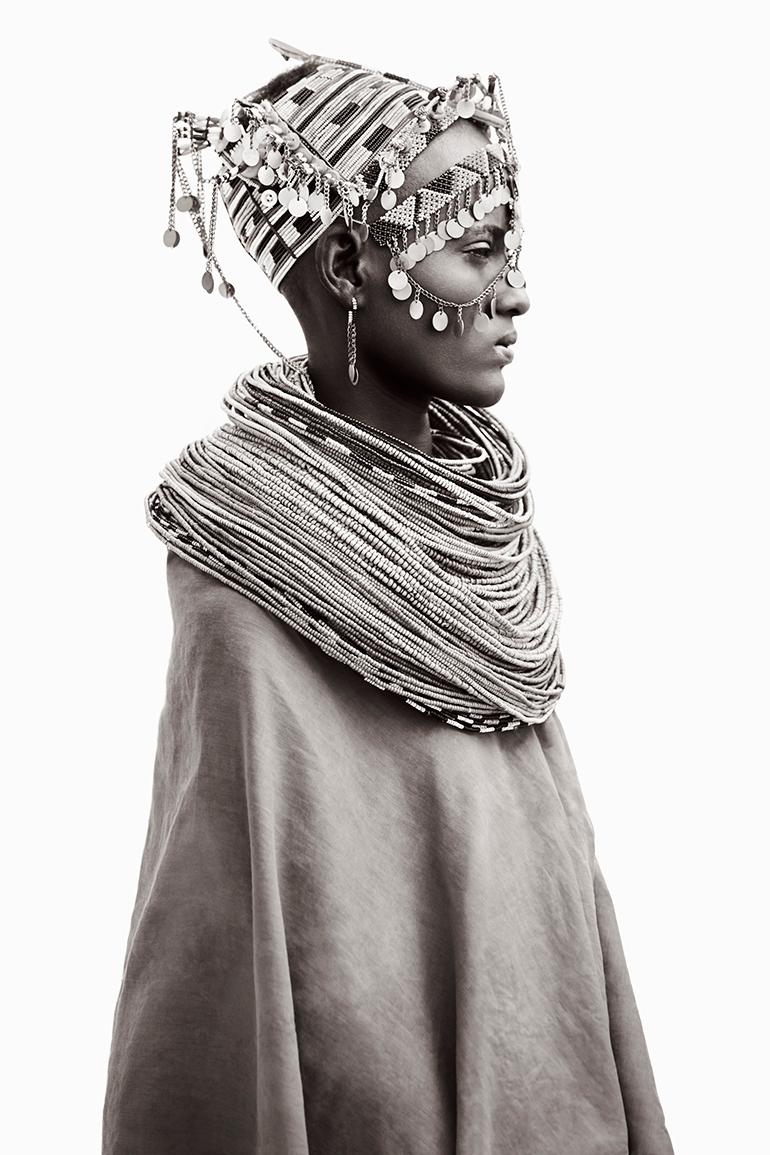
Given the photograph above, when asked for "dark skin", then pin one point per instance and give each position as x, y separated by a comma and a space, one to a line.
402, 362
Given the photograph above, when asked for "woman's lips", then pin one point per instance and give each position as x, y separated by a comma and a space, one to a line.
504, 346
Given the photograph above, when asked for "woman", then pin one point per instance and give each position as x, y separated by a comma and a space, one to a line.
370, 917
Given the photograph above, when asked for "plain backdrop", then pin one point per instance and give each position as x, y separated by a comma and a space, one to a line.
638, 392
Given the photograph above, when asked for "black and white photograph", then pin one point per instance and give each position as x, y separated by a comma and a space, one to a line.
387, 538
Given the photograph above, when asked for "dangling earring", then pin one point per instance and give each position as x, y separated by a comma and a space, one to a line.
352, 369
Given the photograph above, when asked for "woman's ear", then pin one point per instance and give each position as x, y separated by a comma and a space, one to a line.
340, 261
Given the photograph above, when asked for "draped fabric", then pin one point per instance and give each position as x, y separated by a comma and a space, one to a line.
360, 931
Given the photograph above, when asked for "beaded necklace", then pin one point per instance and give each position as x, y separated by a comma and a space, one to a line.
423, 572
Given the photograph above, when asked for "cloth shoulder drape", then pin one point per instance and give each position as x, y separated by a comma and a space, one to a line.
359, 931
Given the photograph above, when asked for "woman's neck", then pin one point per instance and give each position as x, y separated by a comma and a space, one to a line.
373, 402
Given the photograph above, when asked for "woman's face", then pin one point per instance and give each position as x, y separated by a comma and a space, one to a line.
467, 368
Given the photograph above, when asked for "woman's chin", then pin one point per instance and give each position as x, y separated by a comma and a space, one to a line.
484, 390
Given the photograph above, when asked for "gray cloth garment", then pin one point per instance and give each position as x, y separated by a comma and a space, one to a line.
358, 930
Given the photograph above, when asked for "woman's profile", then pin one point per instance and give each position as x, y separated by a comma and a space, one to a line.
370, 919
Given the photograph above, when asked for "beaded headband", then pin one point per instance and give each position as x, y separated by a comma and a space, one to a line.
335, 141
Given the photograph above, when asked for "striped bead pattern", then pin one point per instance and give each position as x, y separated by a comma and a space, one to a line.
423, 572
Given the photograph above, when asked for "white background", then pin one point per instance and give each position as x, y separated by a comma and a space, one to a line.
637, 391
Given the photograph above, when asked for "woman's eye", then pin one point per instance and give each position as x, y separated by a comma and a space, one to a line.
484, 252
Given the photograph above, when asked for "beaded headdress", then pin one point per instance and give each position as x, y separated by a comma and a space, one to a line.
331, 144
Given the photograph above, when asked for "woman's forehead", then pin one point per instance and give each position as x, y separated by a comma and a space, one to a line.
439, 156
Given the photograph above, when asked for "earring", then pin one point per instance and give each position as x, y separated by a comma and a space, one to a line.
352, 369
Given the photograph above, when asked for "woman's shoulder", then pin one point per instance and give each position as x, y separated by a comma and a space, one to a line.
211, 614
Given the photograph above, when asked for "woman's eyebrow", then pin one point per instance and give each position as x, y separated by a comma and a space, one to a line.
482, 228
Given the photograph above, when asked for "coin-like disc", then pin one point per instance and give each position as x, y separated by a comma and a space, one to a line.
515, 278
440, 320
416, 309
481, 322
397, 279
208, 282
402, 294
171, 238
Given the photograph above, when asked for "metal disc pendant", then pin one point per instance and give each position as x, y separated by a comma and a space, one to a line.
327, 216
478, 209
250, 156
286, 195
274, 158
515, 278
208, 282
440, 320
298, 207
481, 322
364, 230
465, 218
454, 228
397, 279
465, 108
416, 309
388, 199
402, 294
171, 238
232, 131
459, 325
353, 374
266, 175
395, 177
226, 289
184, 204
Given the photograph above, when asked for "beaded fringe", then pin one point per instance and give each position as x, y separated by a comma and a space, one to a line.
422, 572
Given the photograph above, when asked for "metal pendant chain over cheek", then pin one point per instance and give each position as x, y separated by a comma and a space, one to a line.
444, 210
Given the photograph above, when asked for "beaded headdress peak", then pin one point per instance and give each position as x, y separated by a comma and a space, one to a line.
334, 141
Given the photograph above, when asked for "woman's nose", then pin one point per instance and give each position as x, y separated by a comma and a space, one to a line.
511, 300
